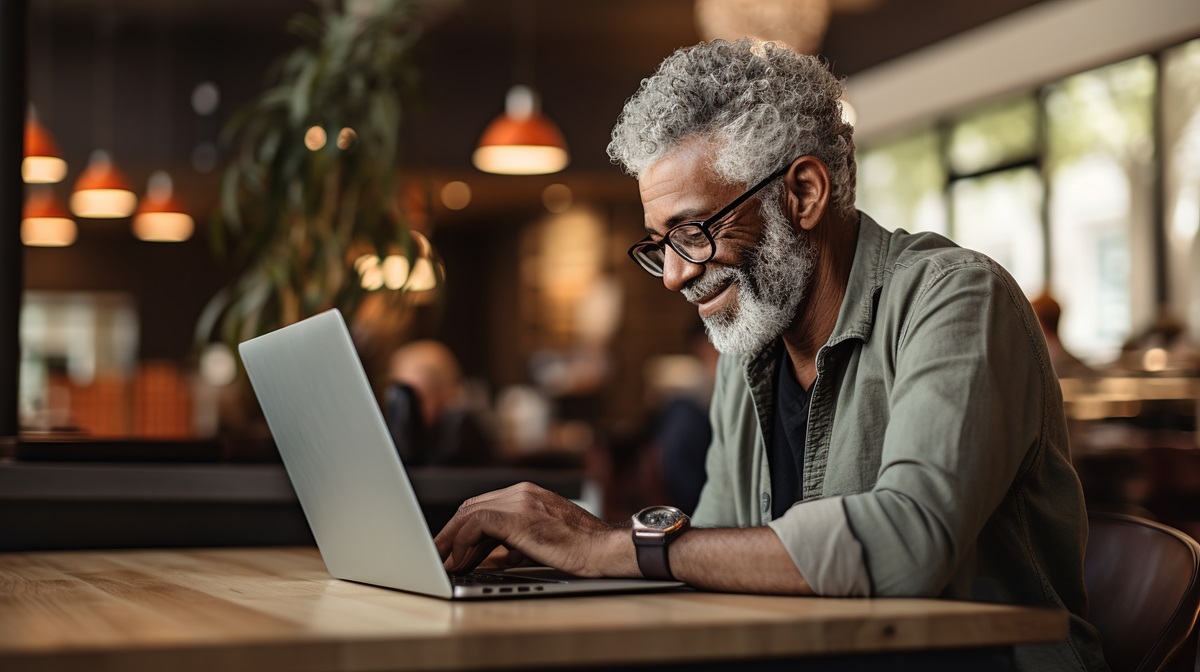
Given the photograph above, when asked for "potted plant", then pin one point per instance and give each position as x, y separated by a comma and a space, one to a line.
310, 192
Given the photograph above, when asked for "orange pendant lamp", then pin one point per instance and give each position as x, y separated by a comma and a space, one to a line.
161, 218
522, 141
45, 222
102, 192
43, 162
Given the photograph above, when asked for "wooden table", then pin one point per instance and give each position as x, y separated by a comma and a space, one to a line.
272, 609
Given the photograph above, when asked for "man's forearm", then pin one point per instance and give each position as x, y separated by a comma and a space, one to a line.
750, 560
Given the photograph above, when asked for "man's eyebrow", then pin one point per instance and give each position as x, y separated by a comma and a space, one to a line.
694, 215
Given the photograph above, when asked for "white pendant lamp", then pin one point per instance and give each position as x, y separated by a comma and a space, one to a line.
45, 222
522, 141
161, 218
43, 162
102, 192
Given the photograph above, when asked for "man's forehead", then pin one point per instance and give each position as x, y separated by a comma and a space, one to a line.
681, 183
690, 160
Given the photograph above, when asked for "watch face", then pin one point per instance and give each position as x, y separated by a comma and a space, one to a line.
660, 517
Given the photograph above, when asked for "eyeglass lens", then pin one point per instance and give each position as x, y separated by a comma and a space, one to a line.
688, 240
691, 243
650, 257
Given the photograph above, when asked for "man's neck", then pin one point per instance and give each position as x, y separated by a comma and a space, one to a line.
835, 238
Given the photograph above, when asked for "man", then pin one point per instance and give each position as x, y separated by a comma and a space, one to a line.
885, 418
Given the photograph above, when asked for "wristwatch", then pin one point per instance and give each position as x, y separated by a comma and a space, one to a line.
653, 530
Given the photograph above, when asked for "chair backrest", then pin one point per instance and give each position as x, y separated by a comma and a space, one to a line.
1143, 582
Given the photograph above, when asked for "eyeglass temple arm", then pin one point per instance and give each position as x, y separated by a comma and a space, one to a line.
744, 197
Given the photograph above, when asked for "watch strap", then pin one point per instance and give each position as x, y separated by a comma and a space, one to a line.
652, 557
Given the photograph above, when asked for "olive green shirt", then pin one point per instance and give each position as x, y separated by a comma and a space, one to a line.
936, 460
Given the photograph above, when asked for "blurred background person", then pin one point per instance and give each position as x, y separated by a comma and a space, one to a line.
682, 431
427, 409
664, 461
1066, 365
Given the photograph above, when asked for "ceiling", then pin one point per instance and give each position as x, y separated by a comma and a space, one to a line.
588, 56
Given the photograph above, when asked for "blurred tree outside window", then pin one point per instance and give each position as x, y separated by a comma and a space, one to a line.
1181, 146
1000, 215
1100, 166
1061, 190
901, 183
996, 135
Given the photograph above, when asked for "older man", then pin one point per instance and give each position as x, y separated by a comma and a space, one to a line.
885, 418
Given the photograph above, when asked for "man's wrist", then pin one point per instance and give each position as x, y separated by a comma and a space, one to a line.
620, 557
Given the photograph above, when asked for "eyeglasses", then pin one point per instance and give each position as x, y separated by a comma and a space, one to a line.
691, 240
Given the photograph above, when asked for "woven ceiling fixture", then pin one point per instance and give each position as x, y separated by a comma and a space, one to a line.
798, 24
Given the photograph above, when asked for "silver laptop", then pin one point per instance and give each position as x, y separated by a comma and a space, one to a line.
349, 478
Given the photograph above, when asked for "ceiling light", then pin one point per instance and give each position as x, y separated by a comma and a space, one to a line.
102, 192
557, 198
314, 138
395, 271
45, 222
521, 141
161, 218
456, 195
798, 24
427, 271
849, 114
205, 98
369, 272
43, 163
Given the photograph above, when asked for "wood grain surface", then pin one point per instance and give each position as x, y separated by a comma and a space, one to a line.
277, 608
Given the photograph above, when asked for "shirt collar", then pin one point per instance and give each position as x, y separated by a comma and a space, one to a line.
857, 314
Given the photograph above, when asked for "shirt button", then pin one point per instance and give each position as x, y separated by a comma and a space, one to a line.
766, 502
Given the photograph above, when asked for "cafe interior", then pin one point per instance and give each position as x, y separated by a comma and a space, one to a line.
197, 173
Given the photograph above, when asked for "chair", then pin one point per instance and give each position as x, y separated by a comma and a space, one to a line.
1143, 582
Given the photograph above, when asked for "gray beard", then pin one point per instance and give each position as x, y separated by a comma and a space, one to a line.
770, 287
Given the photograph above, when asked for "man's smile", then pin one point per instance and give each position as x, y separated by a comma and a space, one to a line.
716, 300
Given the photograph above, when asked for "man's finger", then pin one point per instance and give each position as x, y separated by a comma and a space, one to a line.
510, 500
475, 539
444, 541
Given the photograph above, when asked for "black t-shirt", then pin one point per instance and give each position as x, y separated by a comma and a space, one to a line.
786, 453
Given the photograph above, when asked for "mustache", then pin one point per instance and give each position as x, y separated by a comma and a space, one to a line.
704, 285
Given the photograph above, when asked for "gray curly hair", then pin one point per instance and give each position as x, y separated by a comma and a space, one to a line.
764, 104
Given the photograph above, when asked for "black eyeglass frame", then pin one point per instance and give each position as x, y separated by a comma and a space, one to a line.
703, 226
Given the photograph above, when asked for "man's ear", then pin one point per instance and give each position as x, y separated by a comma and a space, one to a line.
807, 191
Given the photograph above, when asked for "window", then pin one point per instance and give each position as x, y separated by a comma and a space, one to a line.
1181, 177
1000, 215
1099, 159
901, 183
1061, 188
994, 136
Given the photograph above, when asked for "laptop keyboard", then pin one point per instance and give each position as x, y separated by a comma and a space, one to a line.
489, 579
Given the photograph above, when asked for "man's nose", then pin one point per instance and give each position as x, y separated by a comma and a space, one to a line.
678, 271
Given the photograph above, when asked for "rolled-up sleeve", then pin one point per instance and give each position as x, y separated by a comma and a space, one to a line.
965, 412
817, 536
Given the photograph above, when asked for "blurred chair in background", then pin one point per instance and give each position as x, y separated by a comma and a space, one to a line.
1143, 593
426, 409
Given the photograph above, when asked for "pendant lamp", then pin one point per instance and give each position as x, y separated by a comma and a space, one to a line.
522, 141
102, 191
161, 217
43, 162
45, 222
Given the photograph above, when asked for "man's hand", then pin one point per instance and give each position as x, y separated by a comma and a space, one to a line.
539, 525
